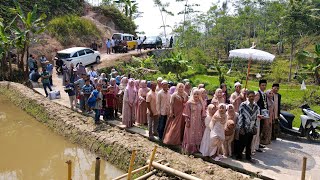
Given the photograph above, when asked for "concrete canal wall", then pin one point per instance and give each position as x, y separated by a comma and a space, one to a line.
111, 143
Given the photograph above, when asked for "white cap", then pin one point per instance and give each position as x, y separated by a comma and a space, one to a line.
237, 84
164, 82
159, 79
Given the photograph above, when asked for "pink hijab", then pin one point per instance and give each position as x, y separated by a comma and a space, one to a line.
131, 90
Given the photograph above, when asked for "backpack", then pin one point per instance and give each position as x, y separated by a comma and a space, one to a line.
93, 98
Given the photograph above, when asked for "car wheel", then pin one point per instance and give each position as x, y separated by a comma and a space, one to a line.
98, 59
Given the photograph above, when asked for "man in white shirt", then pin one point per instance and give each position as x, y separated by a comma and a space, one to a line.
93, 74
163, 107
139, 42
152, 113
159, 84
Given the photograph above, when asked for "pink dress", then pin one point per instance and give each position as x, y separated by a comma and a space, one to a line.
128, 113
194, 113
142, 107
175, 125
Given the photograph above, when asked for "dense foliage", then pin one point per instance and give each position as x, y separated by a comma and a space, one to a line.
51, 8
73, 30
122, 22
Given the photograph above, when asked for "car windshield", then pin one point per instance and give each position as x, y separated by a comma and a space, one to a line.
63, 55
117, 36
152, 38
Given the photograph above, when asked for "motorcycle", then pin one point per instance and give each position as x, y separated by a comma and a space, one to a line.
309, 125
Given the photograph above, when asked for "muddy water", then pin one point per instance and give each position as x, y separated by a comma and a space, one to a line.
30, 151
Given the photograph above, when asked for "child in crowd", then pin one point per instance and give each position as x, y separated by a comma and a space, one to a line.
217, 131
70, 89
110, 100
86, 91
206, 144
229, 136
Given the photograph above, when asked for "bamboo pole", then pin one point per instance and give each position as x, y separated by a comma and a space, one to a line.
97, 169
69, 169
135, 171
304, 166
133, 156
248, 72
147, 175
173, 171
152, 157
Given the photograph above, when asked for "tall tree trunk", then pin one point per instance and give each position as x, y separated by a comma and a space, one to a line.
10, 67
164, 25
291, 58
27, 64
317, 75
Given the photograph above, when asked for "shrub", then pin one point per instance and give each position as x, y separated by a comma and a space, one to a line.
71, 29
121, 21
280, 70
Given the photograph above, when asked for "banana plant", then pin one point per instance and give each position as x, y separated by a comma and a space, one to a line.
315, 65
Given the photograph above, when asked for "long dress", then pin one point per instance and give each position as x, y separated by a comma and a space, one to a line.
142, 107
175, 125
217, 136
267, 126
128, 113
193, 113
206, 144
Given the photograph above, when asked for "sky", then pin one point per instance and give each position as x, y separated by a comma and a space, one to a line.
151, 21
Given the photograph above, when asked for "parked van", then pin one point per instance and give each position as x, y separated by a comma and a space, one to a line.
129, 38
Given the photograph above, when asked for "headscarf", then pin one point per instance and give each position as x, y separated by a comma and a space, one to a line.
187, 88
114, 85
172, 89
143, 87
131, 90
210, 108
203, 90
218, 117
231, 114
229, 128
221, 99
194, 90
176, 93
123, 83
136, 84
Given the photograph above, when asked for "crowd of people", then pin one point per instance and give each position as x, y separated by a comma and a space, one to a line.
182, 115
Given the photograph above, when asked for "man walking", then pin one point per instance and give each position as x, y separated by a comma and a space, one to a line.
246, 127
45, 81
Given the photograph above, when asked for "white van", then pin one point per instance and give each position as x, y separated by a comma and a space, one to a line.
76, 55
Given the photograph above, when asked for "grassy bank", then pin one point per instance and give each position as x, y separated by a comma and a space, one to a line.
73, 30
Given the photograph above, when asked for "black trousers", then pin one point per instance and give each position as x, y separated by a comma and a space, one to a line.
244, 142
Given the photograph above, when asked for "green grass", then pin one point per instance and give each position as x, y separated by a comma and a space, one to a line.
73, 30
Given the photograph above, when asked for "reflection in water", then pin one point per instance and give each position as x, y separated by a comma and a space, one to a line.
29, 150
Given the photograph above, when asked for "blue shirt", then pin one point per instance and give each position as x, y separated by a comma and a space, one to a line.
49, 68
108, 44
87, 89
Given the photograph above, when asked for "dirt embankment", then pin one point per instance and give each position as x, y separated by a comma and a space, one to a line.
111, 143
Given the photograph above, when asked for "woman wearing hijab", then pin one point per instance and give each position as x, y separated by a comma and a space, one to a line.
204, 97
232, 117
136, 88
129, 99
175, 126
142, 104
206, 144
217, 135
225, 94
122, 88
194, 114
218, 95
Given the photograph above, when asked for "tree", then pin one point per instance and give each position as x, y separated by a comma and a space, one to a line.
315, 65
163, 10
175, 64
29, 25
6, 43
298, 22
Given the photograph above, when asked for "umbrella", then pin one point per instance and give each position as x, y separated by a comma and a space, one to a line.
251, 54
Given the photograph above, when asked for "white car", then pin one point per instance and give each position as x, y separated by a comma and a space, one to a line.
76, 55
